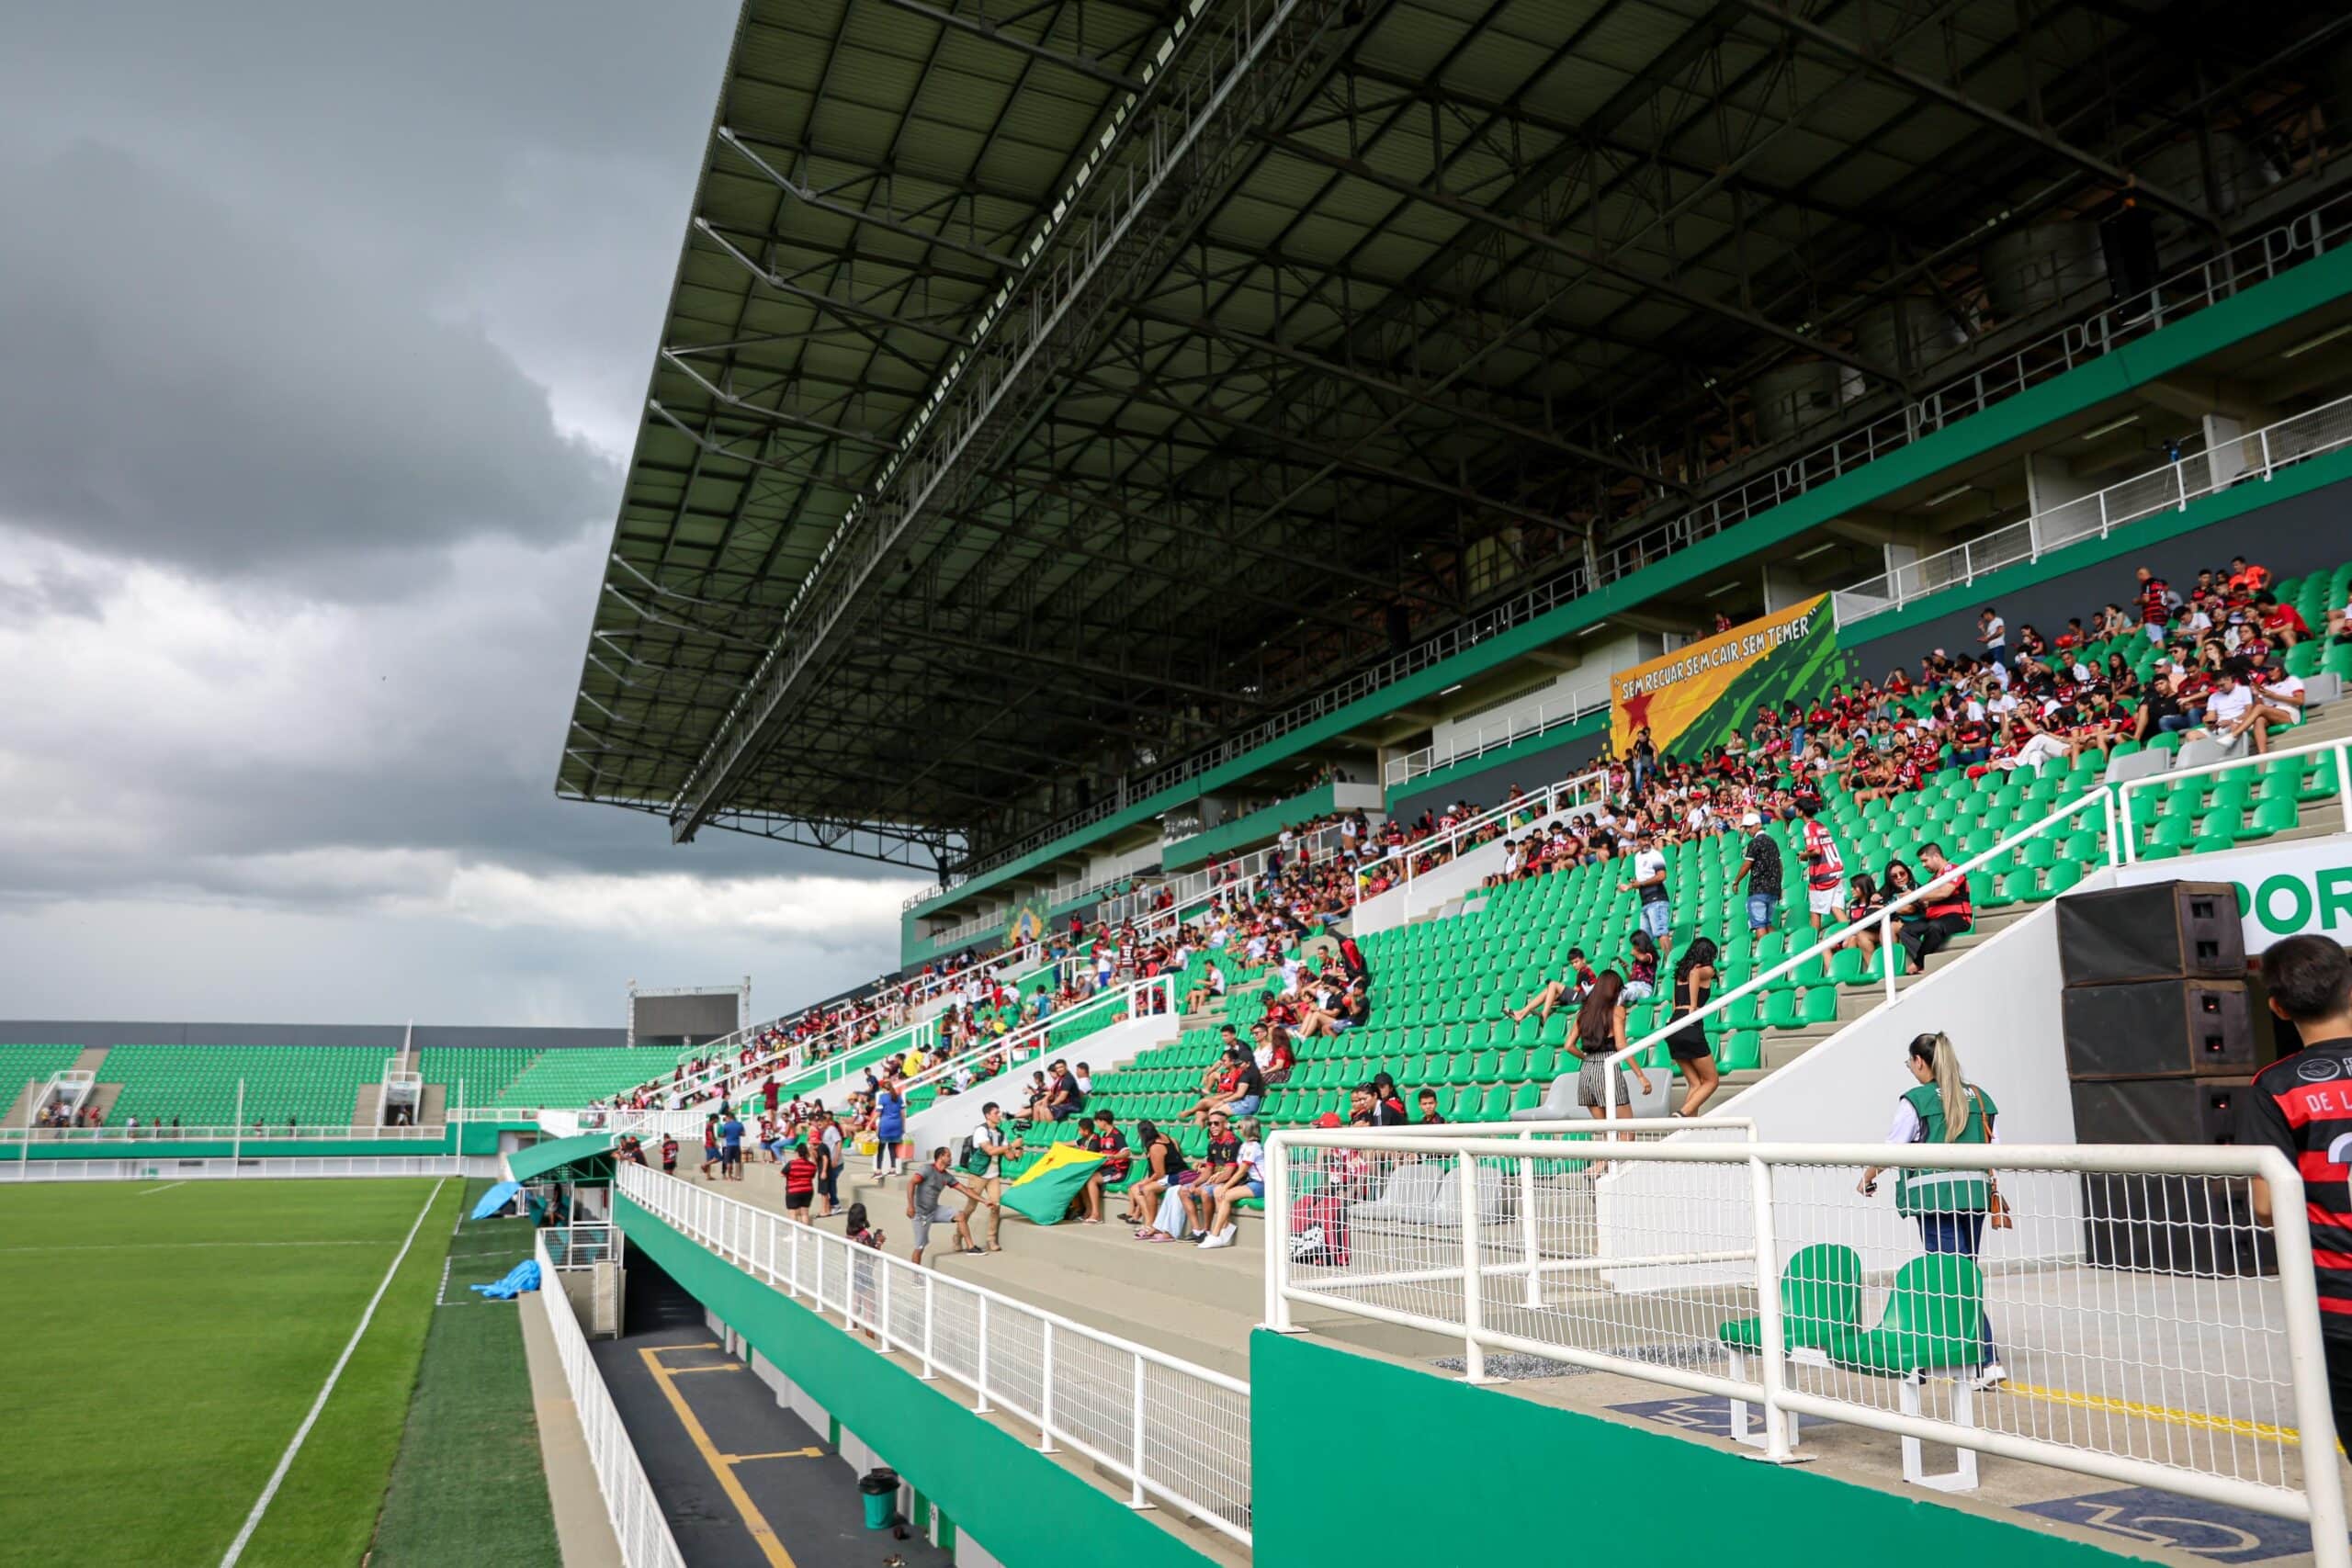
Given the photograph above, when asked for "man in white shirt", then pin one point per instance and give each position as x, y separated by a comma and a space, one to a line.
2229, 711
2278, 705
1994, 633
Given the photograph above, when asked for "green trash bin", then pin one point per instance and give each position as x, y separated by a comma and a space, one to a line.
879, 1490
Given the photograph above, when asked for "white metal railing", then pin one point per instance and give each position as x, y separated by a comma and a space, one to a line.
1496, 734
639, 1523
1046, 902
580, 1246
1219, 876
2339, 749
897, 996
793, 1060
1567, 795
257, 1133
2103, 797
1031, 1040
2120, 1302
1175, 1433
2170, 488
169, 1168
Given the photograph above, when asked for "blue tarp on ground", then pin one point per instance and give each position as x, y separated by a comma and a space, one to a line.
523, 1278
497, 1198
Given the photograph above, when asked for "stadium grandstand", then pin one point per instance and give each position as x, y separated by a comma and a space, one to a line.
1632, 725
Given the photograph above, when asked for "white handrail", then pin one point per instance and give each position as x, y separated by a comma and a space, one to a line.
1579, 701
2167, 488
639, 1525
1543, 803
2340, 750
2101, 797
251, 1133
1013, 1042
1711, 1210
1181, 1437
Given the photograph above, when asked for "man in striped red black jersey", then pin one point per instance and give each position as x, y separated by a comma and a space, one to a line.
2302, 1106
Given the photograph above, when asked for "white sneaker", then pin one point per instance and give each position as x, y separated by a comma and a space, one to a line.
1228, 1235
1991, 1377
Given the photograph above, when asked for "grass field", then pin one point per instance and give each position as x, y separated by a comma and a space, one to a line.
468, 1486
168, 1340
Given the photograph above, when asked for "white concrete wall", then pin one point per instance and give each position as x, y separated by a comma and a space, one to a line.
1102, 867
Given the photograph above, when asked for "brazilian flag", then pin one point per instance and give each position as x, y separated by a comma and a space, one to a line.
1042, 1194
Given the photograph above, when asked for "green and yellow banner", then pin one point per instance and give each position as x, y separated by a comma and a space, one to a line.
1693, 697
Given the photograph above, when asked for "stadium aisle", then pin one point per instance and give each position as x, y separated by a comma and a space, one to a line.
745, 1483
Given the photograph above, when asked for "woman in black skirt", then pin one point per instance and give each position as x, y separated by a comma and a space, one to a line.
1695, 979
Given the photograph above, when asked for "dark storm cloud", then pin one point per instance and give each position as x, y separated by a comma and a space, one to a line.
325, 331
206, 392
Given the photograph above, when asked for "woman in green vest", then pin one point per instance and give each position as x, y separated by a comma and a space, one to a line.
1951, 1206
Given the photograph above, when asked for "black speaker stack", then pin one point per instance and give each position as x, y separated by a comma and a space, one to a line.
2160, 1047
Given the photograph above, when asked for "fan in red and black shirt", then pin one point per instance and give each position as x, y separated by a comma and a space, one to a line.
2302, 1106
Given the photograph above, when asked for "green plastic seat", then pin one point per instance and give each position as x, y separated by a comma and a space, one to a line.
2269, 816
1821, 1296
1934, 1319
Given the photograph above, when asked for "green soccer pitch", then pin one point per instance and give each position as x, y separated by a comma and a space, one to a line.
168, 1340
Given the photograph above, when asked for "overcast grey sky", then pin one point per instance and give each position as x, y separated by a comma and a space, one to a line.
324, 332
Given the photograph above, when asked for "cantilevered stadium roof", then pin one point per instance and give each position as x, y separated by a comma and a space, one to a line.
1051, 388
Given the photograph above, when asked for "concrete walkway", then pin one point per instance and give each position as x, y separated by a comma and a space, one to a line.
583, 1531
745, 1483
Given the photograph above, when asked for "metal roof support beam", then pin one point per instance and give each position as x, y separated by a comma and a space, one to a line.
1231, 66
838, 306
887, 843
987, 28
1348, 371
1201, 413
1065, 659
1599, 261
1869, 54
776, 416
822, 203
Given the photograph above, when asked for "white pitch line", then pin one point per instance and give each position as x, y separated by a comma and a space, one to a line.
166, 1186
302, 1433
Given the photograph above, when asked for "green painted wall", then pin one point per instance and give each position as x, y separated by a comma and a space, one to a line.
474, 1138
1501, 756
1023, 1507
251, 1148
1257, 827
2264, 305
1386, 1473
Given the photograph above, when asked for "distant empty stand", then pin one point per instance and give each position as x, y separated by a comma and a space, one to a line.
315, 1085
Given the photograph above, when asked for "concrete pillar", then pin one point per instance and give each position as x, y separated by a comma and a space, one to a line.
1782, 588
2228, 456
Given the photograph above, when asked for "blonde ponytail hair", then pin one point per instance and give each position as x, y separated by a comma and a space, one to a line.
1936, 1051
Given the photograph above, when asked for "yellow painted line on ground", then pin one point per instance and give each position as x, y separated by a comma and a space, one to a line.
753, 1520
2194, 1419
728, 1367
787, 1453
